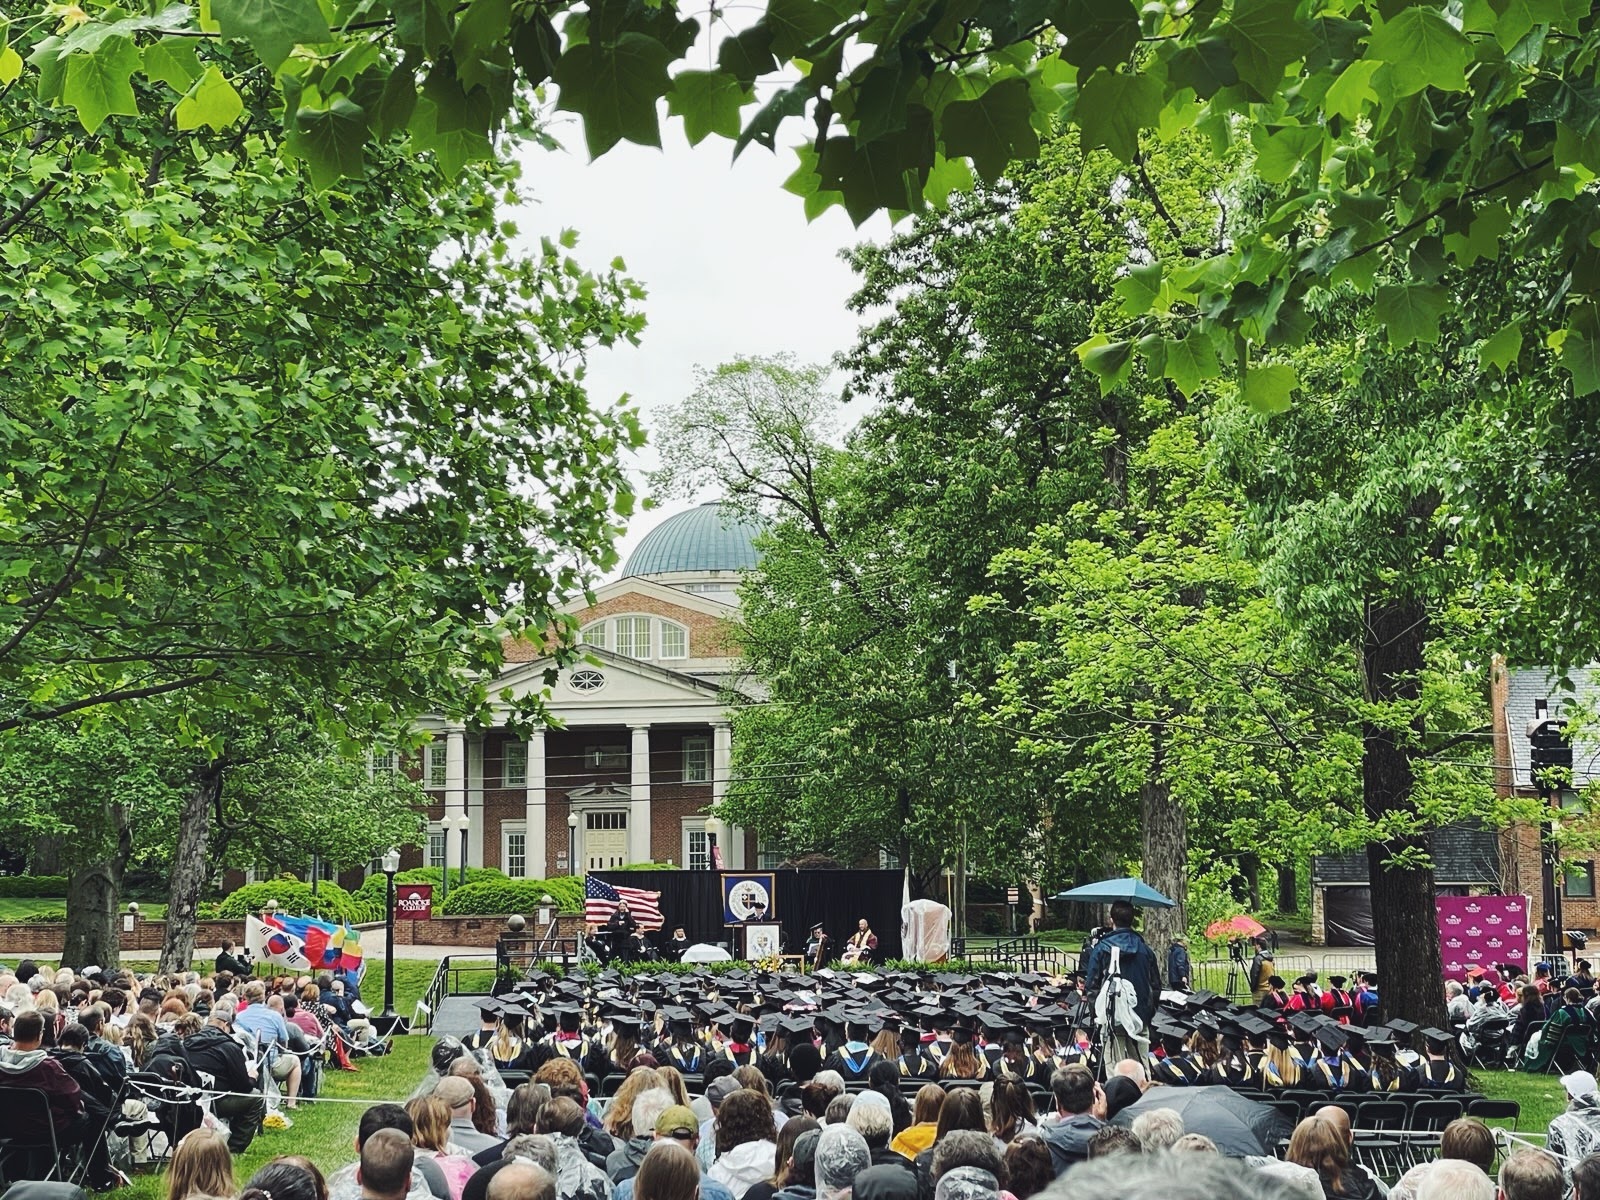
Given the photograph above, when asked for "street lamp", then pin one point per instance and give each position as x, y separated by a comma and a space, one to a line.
390, 864
572, 843
713, 828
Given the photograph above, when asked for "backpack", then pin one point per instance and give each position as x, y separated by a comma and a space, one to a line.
1114, 1003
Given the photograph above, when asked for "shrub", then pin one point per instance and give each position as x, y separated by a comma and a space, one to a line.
32, 887
496, 897
370, 893
50, 916
295, 899
648, 866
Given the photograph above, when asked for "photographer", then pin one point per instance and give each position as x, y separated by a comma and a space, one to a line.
236, 965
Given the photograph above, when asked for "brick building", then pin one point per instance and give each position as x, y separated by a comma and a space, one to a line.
645, 744
1516, 694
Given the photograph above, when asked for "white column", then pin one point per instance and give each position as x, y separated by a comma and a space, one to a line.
455, 788
478, 830
732, 840
639, 808
538, 867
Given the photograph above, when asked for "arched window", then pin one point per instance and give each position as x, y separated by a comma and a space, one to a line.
638, 635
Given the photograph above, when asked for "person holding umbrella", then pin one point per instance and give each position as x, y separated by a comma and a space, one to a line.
1135, 965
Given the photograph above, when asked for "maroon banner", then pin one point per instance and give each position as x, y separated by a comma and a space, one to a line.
1483, 931
413, 901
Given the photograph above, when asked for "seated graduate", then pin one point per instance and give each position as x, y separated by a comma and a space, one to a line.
1437, 1071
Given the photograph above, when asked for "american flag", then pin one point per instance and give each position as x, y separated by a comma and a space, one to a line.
600, 901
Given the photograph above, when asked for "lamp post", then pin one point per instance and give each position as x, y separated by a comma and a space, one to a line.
458, 823
572, 843
713, 828
390, 864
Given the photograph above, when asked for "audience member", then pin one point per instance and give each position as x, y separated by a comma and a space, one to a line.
1466, 1139
1080, 1112
1586, 1179
281, 1180
841, 1156
782, 1157
1029, 1166
919, 1135
669, 1172
457, 1093
1531, 1175
1456, 1179
643, 1109
346, 1184
1157, 1128
1318, 1144
523, 1181
387, 1160
1114, 1139
577, 1178
201, 1167
746, 1142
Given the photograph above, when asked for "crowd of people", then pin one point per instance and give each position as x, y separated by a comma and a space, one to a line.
754, 1085
79, 1039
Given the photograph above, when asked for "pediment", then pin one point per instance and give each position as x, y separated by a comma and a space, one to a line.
606, 686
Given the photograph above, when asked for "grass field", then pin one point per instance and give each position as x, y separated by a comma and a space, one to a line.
18, 908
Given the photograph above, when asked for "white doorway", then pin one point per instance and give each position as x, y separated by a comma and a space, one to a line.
605, 839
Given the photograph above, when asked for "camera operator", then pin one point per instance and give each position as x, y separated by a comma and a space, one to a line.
237, 965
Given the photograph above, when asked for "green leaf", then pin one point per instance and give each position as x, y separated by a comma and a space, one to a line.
1111, 362
614, 88
1580, 354
1266, 37
10, 65
1349, 94
212, 101
97, 84
1113, 108
272, 27
330, 141
1191, 360
1207, 67
1100, 33
1268, 388
1411, 312
1279, 154
1501, 350
1482, 238
992, 130
173, 61
708, 102
948, 175
795, 24
484, 25
1422, 50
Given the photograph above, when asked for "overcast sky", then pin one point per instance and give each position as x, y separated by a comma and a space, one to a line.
729, 261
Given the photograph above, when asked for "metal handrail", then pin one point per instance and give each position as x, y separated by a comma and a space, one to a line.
436, 991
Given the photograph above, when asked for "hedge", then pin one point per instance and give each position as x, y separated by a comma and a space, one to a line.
647, 866
33, 886
496, 897
295, 899
371, 890
592, 969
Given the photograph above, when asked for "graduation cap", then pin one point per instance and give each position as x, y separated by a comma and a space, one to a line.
1381, 1036
1206, 1020
1304, 1025
1438, 1039
800, 1027
490, 1006
963, 1027
1275, 981
1253, 1026
567, 1016
627, 1023
1403, 1027
1332, 1037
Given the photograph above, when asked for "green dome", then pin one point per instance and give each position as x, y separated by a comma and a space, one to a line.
708, 538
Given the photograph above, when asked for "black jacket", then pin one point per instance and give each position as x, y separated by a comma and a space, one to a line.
218, 1055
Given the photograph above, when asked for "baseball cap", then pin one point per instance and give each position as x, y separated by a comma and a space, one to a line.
719, 1090
454, 1091
675, 1121
1580, 1083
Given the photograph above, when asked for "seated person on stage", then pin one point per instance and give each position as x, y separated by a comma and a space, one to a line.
862, 945
676, 945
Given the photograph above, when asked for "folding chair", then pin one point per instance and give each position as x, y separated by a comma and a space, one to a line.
1495, 1110
1493, 1045
1425, 1128
21, 1154
1380, 1135
609, 1085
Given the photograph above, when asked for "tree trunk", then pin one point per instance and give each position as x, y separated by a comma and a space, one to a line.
1165, 831
94, 900
1250, 868
46, 856
1410, 976
1288, 889
190, 867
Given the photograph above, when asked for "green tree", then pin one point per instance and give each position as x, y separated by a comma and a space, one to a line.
260, 438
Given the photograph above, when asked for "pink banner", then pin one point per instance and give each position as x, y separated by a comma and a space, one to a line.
1483, 931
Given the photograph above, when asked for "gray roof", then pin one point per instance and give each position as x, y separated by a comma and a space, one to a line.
1461, 854
708, 538
1524, 686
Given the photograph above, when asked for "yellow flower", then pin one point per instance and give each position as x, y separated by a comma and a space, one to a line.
71, 16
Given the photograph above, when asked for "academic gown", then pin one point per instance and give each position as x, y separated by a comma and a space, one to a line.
1177, 1070
853, 1061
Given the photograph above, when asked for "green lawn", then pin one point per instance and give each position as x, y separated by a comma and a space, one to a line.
1541, 1096
18, 908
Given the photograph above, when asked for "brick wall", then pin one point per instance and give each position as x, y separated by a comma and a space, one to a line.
709, 636
48, 938
458, 931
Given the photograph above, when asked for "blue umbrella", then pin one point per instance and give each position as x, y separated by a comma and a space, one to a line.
1135, 891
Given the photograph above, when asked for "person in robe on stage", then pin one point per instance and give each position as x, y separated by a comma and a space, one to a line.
819, 947
861, 946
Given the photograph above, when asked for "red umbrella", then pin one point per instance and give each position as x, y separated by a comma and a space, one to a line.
1240, 926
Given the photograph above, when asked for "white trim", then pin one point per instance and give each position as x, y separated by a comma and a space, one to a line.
637, 584
508, 830
691, 826
518, 779
435, 765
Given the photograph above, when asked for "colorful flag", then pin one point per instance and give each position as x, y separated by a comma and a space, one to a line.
305, 943
600, 901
